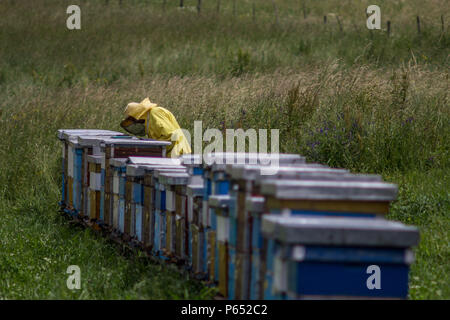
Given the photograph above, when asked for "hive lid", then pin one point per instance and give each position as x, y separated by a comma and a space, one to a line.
64, 134
173, 169
133, 142
134, 170
191, 160
256, 172
330, 176
162, 168
154, 161
194, 190
95, 140
329, 190
218, 160
118, 162
94, 159
173, 178
219, 201
339, 231
254, 203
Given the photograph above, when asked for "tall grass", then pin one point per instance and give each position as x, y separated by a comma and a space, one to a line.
354, 99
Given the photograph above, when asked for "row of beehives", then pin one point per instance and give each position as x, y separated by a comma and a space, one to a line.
301, 231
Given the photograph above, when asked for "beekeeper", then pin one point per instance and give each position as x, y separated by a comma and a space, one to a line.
147, 118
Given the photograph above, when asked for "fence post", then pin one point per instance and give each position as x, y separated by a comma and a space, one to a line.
304, 9
442, 23
199, 6
275, 9
324, 19
388, 28
253, 11
339, 23
418, 24
181, 3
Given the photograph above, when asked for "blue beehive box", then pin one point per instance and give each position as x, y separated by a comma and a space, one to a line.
141, 169
329, 257
160, 211
134, 200
175, 188
218, 265
194, 195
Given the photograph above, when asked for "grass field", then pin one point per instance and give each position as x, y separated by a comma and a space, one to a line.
354, 98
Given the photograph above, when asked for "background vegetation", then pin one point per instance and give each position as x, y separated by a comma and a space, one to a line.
340, 94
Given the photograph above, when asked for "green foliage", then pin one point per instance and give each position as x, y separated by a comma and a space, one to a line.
241, 63
424, 201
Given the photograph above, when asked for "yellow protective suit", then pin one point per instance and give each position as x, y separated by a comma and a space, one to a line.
160, 124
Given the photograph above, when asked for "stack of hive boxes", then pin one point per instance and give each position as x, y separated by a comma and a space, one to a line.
260, 226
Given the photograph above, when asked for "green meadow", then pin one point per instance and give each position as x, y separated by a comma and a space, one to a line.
340, 94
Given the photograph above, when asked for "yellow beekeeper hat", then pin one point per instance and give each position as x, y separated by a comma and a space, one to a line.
137, 110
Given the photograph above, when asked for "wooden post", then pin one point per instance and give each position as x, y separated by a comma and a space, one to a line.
388, 28
253, 11
304, 9
275, 9
199, 6
442, 23
325, 19
181, 3
339, 23
418, 24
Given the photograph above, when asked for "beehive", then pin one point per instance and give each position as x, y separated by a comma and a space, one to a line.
117, 204
330, 257
218, 244
68, 153
248, 179
193, 163
255, 207
149, 194
175, 188
134, 201
93, 198
123, 148
90, 145
324, 197
138, 197
196, 247
217, 181
160, 243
